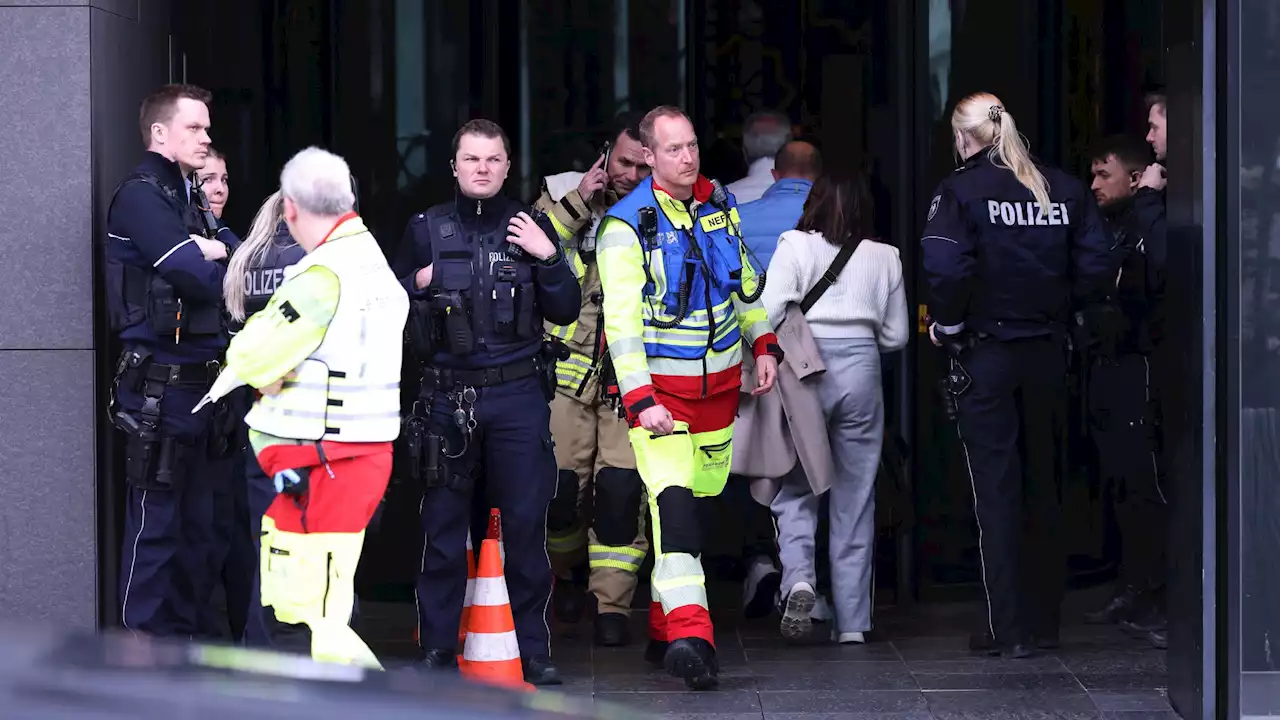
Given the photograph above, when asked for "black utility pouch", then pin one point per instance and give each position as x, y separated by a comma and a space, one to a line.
164, 309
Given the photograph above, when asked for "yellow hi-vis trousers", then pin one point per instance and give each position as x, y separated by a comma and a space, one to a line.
678, 468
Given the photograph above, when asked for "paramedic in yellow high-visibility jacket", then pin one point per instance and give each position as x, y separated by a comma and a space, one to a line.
679, 297
325, 356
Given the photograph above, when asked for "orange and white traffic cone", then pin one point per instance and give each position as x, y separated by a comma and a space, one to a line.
491, 653
469, 594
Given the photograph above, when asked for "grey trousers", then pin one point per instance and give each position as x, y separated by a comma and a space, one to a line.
853, 407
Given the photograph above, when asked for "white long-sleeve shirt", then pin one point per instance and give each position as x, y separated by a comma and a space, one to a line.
759, 178
867, 300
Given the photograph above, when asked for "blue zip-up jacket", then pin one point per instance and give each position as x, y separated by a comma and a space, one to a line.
776, 212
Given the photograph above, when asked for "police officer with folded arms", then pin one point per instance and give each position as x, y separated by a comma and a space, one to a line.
1009, 247
482, 277
164, 272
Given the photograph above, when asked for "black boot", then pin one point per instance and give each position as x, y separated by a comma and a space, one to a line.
613, 630
541, 671
656, 652
437, 659
1159, 638
1118, 609
568, 600
694, 660
983, 642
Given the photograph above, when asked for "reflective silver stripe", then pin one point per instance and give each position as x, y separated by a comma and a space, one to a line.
626, 346
334, 415
172, 250
617, 557
950, 329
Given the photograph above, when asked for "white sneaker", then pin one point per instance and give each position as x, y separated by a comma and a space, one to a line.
797, 622
760, 591
849, 638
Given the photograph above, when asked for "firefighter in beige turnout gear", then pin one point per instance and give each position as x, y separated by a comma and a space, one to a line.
600, 505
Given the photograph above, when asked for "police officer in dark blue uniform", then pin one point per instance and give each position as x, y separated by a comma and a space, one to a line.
1008, 247
1119, 340
164, 276
482, 277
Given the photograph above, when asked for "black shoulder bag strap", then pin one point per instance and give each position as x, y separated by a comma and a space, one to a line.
829, 277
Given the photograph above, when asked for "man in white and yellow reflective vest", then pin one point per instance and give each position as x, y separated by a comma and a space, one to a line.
325, 355
599, 503
679, 298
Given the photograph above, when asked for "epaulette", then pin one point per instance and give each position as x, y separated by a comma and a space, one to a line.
443, 210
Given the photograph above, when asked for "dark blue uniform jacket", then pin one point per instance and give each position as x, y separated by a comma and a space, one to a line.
150, 228
484, 225
996, 263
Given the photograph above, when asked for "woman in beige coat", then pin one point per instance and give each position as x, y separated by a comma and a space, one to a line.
862, 314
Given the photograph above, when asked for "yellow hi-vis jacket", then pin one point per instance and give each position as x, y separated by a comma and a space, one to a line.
701, 356
337, 322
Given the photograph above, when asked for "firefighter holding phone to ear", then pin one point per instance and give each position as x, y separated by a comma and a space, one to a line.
598, 512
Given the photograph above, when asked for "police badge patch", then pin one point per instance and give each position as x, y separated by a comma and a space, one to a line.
933, 207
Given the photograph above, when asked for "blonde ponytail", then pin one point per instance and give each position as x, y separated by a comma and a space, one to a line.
250, 253
982, 117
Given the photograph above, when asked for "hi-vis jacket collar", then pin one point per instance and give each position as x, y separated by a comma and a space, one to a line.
702, 189
683, 217
347, 226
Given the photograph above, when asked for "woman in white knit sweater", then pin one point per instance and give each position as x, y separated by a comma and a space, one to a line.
862, 314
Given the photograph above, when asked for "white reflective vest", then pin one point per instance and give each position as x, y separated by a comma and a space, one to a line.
348, 390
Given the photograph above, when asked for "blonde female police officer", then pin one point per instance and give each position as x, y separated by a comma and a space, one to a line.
1008, 247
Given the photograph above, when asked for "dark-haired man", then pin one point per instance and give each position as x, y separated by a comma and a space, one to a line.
1122, 398
164, 294
483, 277
599, 504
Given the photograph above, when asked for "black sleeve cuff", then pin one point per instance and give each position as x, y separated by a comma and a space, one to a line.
641, 405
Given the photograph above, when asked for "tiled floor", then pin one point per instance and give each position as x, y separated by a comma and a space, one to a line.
921, 670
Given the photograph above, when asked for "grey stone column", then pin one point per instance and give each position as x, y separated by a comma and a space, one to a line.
72, 76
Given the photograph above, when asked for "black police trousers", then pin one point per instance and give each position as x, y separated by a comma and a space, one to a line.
172, 551
1011, 426
508, 462
1123, 413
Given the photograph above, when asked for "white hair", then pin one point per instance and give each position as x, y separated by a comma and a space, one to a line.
318, 182
764, 134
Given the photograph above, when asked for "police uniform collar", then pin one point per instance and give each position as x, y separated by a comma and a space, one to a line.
471, 207
168, 171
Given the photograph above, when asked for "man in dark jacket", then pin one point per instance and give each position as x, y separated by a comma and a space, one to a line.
1123, 401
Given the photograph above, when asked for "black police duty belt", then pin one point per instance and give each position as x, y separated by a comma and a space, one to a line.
449, 378
170, 374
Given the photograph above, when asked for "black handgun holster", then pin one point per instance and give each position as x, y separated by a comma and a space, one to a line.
153, 461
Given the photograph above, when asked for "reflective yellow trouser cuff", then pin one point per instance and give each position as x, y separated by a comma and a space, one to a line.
621, 558
310, 579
